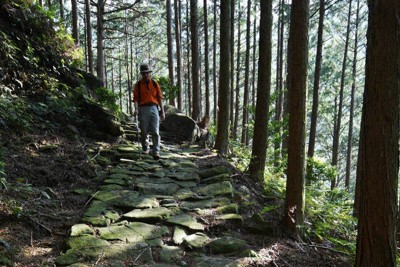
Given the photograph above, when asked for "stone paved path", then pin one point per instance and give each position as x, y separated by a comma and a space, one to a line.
157, 213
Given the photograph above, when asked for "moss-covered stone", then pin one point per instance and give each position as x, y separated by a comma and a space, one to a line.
227, 245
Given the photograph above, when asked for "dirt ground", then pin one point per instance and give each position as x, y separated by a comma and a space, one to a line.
38, 204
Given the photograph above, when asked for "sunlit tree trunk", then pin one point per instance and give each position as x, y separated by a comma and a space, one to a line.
352, 95
297, 86
177, 9
237, 87
215, 63
338, 121
221, 142
100, 40
170, 49
376, 239
195, 60
245, 116
62, 16
206, 63
279, 85
189, 74
317, 75
260, 140
233, 127
89, 36
75, 30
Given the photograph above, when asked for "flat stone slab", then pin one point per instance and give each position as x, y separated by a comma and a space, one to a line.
157, 189
156, 213
206, 203
226, 245
81, 229
179, 235
110, 255
184, 176
135, 232
232, 217
186, 221
224, 188
139, 202
206, 173
197, 240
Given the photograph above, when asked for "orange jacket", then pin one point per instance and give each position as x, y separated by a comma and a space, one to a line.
150, 93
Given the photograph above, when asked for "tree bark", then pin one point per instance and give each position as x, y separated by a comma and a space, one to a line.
62, 16
232, 120
338, 121
75, 30
352, 95
215, 63
89, 37
259, 151
317, 75
178, 41
206, 63
376, 239
297, 87
195, 60
221, 142
237, 87
100, 40
245, 116
170, 50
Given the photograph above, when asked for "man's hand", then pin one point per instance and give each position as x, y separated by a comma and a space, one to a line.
135, 113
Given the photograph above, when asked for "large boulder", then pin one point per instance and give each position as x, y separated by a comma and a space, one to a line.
103, 119
178, 127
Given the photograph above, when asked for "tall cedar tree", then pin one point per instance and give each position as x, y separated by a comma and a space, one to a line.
317, 75
338, 119
215, 62
170, 49
376, 240
245, 116
89, 37
206, 64
237, 88
297, 86
232, 104
177, 9
279, 84
75, 30
352, 95
258, 156
195, 60
221, 142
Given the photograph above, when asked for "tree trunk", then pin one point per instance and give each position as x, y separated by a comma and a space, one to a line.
195, 60
297, 86
353, 89
221, 142
215, 63
232, 120
100, 40
62, 16
75, 30
317, 75
253, 74
206, 64
189, 75
338, 121
237, 88
170, 50
89, 36
376, 239
177, 9
279, 86
245, 118
260, 140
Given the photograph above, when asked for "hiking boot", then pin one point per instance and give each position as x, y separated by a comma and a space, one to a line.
156, 156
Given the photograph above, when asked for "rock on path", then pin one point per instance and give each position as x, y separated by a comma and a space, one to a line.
157, 213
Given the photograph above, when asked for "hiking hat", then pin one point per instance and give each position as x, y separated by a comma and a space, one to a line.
145, 68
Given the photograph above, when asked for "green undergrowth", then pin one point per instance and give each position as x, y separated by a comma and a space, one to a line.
328, 213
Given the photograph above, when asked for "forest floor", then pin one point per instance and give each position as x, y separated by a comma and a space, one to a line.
38, 205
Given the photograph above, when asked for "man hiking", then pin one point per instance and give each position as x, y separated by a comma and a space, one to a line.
147, 97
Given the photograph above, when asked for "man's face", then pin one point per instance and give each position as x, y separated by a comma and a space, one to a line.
146, 76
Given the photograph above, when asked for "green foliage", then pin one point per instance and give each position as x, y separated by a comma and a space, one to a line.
319, 171
240, 156
108, 99
168, 90
38, 54
329, 217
